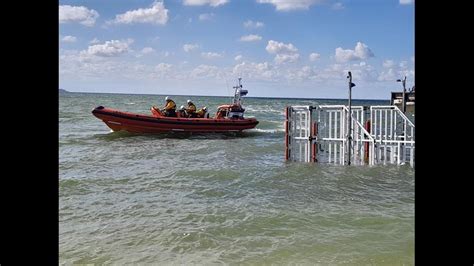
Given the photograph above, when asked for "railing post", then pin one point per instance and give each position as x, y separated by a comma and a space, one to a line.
287, 135
315, 144
366, 145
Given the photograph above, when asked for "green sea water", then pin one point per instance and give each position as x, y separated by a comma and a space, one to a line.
213, 199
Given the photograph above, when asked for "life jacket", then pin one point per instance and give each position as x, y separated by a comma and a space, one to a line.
201, 113
170, 105
191, 108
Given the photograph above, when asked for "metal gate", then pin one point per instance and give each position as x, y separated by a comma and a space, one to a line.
298, 133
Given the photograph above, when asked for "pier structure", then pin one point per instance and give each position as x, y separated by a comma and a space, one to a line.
370, 135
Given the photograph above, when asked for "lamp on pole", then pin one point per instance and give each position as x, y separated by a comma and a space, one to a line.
404, 104
349, 133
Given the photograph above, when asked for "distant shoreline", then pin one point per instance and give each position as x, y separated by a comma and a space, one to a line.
248, 97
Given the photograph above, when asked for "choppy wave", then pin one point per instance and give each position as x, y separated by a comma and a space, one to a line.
219, 198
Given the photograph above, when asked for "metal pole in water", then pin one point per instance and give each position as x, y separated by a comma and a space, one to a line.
349, 131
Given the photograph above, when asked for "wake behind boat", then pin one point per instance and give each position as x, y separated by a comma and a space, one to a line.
228, 118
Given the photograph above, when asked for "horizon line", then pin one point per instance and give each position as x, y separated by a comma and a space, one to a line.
191, 95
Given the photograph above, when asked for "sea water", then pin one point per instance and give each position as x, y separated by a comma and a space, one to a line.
220, 198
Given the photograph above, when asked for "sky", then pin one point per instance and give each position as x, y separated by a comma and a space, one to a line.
280, 48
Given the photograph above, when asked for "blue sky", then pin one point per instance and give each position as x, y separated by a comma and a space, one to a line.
281, 48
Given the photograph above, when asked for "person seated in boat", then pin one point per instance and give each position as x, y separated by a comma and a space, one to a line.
170, 107
191, 109
181, 112
201, 113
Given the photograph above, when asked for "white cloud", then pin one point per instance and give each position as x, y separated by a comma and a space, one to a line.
190, 47
206, 16
82, 66
412, 59
285, 53
85, 66
163, 70
80, 14
238, 58
163, 67
205, 71
156, 14
388, 64
79, 67
306, 72
250, 38
314, 56
109, 48
275, 73
253, 25
286, 58
274, 47
165, 53
388, 75
363, 71
361, 51
213, 3
338, 72
393, 71
338, 6
94, 41
406, 2
334, 72
69, 38
287, 5
211, 55
255, 71
302, 74
147, 50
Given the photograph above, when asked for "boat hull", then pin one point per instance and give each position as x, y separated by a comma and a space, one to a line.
138, 123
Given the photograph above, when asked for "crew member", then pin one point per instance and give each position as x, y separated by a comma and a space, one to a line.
191, 109
181, 112
201, 112
170, 107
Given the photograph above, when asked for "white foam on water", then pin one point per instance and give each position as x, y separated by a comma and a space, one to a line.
262, 110
268, 130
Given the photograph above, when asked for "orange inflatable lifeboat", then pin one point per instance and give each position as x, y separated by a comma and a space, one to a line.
228, 118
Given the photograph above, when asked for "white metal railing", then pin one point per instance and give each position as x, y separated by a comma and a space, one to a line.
394, 135
388, 136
